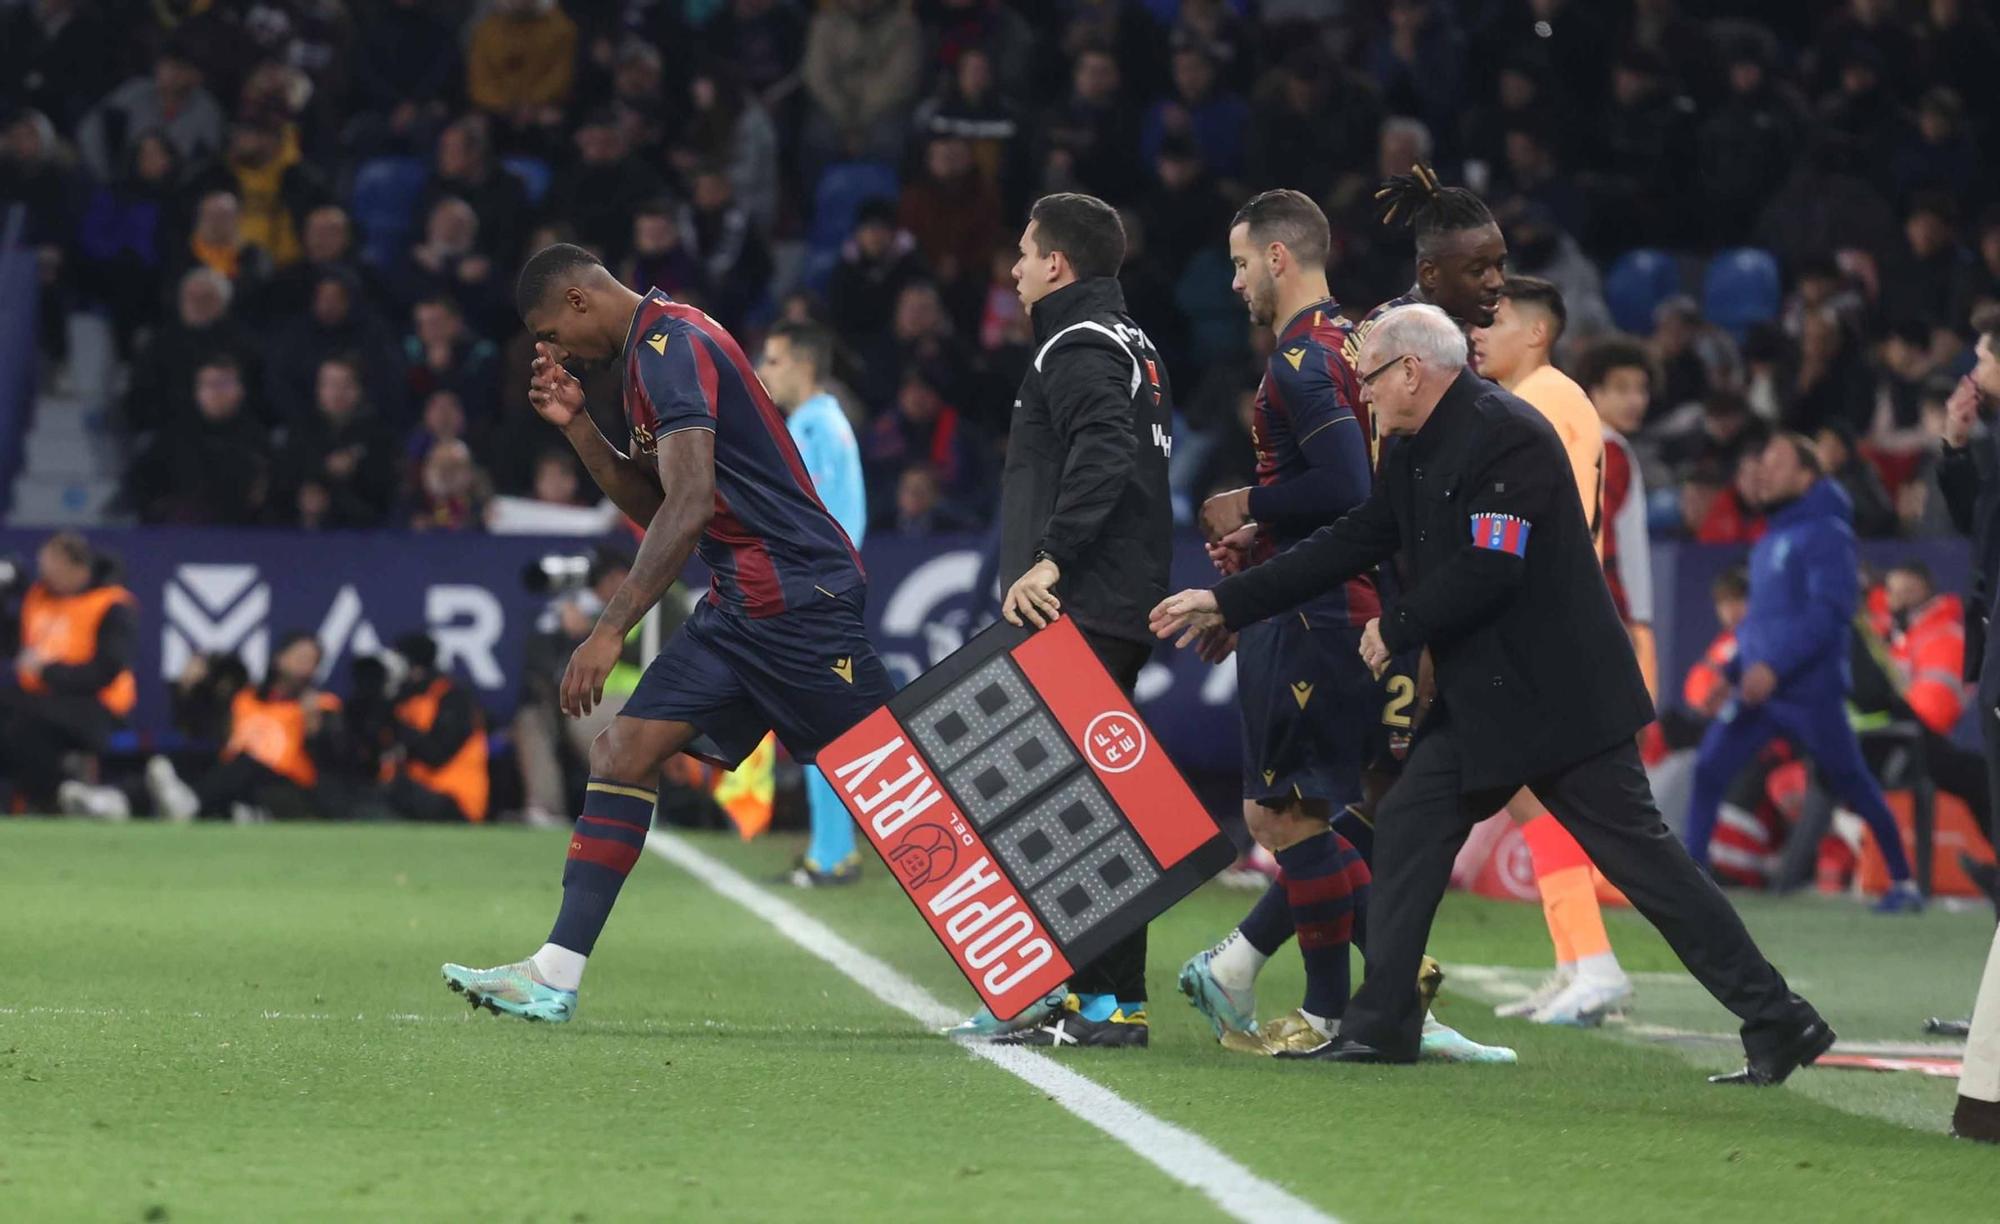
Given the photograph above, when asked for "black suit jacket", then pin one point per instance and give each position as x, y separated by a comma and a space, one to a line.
1534, 669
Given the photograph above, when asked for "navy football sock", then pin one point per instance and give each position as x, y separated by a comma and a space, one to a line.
1269, 923
1324, 880
609, 837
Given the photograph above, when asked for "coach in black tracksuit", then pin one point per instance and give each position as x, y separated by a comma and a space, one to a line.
1537, 686
1086, 526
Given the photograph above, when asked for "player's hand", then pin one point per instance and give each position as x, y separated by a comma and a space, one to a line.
1032, 598
1759, 682
1215, 645
1961, 413
1232, 552
1373, 652
583, 680
1225, 513
30, 662
553, 391
1190, 614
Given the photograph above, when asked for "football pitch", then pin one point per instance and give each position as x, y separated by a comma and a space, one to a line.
216, 1023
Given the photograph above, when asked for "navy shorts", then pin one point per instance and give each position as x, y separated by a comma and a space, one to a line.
808, 673
1394, 720
1307, 702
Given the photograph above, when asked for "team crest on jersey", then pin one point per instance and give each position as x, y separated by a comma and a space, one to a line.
643, 441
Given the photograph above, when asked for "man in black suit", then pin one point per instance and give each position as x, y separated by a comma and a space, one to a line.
1537, 687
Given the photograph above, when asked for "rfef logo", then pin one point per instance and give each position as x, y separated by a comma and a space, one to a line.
1115, 741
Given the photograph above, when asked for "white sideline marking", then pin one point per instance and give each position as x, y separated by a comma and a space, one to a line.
1180, 1154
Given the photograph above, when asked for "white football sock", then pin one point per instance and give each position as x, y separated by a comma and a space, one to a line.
1235, 963
1321, 1024
1603, 967
559, 967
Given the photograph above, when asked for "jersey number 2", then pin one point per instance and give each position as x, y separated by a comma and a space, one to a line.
1402, 692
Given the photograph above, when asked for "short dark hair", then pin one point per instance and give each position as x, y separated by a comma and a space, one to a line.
221, 361
1915, 568
74, 548
545, 269
1543, 296
1433, 210
1803, 447
810, 341
1732, 583
293, 637
1084, 228
1608, 354
1289, 217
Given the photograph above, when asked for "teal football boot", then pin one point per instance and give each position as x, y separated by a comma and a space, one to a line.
1227, 1012
512, 990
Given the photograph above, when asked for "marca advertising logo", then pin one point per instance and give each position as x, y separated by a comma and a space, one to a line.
228, 609
950, 874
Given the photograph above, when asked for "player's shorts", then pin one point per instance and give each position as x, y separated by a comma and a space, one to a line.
1394, 716
809, 674
1307, 701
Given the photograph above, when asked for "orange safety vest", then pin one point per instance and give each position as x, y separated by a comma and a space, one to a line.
63, 630
463, 778
272, 732
1931, 655
1708, 675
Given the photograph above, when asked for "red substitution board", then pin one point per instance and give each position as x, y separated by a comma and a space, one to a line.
1026, 809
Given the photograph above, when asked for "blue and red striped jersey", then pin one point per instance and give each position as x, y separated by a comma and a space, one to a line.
771, 545
1310, 425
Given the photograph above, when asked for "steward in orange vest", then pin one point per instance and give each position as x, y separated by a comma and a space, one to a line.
442, 733
72, 668
268, 762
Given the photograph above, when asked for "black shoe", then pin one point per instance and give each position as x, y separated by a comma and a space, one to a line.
1976, 1120
1984, 876
1770, 1070
1937, 1026
1068, 1027
1343, 1051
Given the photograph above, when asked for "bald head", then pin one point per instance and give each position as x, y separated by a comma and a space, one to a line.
1411, 355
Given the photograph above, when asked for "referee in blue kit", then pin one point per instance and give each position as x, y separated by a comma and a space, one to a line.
796, 359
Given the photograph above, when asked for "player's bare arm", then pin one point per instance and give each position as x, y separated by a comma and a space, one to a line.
687, 473
557, 396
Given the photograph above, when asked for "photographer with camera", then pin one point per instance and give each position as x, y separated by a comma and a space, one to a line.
548, 745
77, 630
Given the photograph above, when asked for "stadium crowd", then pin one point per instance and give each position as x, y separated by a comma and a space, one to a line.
303, 217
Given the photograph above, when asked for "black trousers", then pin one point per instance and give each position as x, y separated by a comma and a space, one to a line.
1606, 804
37, 730
1120, 971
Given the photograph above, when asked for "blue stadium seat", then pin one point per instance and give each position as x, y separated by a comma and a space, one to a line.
1741, 287
1637, 284
843, 189
534, 174
384, 204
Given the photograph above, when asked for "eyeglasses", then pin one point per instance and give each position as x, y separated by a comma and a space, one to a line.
1369, 378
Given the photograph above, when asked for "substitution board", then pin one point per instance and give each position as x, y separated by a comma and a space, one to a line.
1025, 808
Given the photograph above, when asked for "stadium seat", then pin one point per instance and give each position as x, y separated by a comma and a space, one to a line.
384, 204
843, 189
1741, 287
534, 174
1636, 285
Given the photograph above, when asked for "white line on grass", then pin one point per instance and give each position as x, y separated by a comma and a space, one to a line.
1180, 1154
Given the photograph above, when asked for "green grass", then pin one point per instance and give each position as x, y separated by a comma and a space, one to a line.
158, 1059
